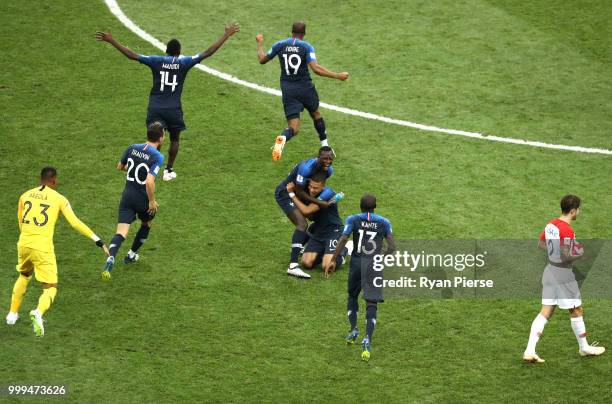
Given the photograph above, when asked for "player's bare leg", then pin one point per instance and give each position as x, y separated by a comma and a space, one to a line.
309, 260
292, 129
19, 290
537, 328
175, 137
113, 248
584, 348
298, 240
319, 125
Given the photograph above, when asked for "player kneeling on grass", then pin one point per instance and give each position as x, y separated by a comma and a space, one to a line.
559, 286
369, 229
37, 212
142, 163
300, 176
327, 223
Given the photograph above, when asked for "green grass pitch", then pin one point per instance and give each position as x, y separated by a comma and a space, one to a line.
208, 314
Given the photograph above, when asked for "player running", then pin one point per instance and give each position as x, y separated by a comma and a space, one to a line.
559, 286
327, 223
37, 213
300, 176
295, 55
142, 163
369, 229
169, 73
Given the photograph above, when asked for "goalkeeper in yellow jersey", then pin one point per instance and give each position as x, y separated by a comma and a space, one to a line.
38, 211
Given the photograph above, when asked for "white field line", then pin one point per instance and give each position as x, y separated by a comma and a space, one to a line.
116, 10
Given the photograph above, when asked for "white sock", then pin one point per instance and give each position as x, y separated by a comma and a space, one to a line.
579, 331
131, 254
324, 143
537, 327
293, 265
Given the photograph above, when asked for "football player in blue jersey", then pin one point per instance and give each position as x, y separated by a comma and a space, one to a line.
368, 230
300, 176
169, 73
326, 226
141, 163
295, 56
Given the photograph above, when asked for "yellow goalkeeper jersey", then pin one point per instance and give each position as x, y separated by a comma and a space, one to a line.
38, 211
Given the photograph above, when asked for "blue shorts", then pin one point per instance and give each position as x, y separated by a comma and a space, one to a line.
362, 277
283, 200
172, 118
296, 97
133, 204
323, 246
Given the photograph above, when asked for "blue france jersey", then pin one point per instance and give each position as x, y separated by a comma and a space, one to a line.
139, 161
326, 221
294, 56
368, 230
169, 73
302, 172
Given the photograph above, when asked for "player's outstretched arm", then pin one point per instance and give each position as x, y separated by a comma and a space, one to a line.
261, 55
81, 227
107, 37
230, 29
321, 71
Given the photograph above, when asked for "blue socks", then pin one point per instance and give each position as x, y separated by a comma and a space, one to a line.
115, 244
141, 237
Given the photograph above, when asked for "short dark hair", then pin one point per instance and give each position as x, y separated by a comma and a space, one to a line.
47, 173
319, 176
298, 27
368, 203
173, 48
325, 149
569, 202
155, 131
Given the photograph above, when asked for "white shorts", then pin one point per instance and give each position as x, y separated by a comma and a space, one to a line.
559, 288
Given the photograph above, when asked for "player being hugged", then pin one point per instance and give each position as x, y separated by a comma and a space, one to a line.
142, 163
326, 226
169, 73
295, 56
300, 176
559, 286
369, 229
37, 213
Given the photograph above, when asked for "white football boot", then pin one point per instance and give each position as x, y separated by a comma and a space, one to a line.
532, 358
169, 175
12, 318
298, 273
592, 350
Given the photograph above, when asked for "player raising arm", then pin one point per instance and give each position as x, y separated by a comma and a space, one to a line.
295, 56
37, 213
169, 73
368, 230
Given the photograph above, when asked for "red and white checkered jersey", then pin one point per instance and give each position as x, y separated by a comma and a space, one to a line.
557, 233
